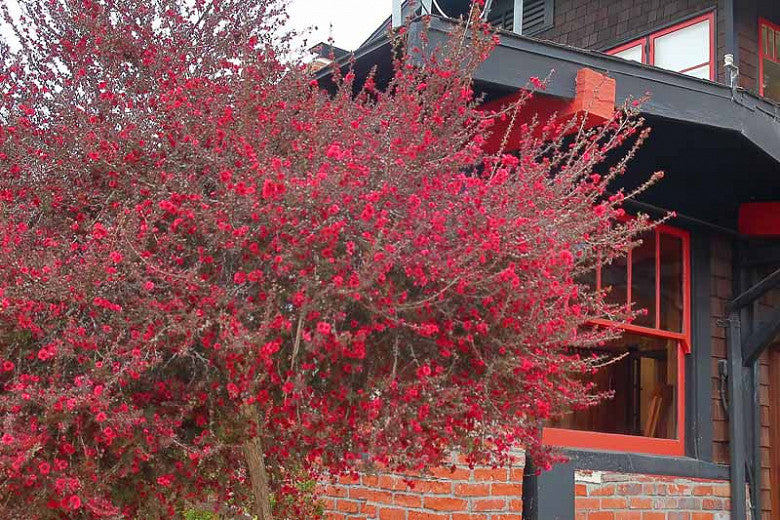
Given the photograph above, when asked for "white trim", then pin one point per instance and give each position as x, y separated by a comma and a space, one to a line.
517, 20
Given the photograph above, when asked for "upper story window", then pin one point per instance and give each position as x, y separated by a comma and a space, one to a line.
537, 15
645, 367
687, 48
769, 59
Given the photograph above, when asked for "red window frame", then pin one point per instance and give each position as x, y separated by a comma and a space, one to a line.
763, 22
630, 45
648, 51
635, 443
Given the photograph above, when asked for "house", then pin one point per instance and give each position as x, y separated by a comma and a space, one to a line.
693, 432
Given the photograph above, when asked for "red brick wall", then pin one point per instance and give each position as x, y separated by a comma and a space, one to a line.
463, 494
621, 496
491, 494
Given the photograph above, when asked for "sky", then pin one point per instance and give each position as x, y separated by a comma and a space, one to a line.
350, 22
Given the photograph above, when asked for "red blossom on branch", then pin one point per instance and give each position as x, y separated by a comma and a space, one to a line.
217, 279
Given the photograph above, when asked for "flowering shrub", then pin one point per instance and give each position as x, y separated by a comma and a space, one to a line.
218, 280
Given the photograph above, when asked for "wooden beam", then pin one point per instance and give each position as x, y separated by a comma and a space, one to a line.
761, 337
736, 420
754, 293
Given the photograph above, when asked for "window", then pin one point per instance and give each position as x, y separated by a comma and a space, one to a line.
537, 15
687, 48
769, 59
646, 372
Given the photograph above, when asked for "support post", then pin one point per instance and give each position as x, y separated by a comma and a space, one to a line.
736, 420
549, 495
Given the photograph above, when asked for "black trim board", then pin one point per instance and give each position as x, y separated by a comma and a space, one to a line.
674, 96
683, 467
549, 495
698, 364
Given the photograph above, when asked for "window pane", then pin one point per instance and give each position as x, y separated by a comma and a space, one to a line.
764, 30
632, 53
771, 79
671, 283
702, 72
644, 383
643, 280
683, 48
777, 45
770, 43
614, 278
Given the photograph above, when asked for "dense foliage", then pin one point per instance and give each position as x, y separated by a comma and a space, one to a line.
218, 280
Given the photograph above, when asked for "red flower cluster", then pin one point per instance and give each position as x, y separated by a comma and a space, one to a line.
205, 258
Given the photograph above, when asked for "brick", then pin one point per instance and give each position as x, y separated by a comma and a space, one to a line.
628, 515
371, 495
665, 503
634, 488
489, 504
455, 473
712, 504
601, 515
702, 516
468, 516
721, 490
586, 504
679, 489
603, 491
427, 487
640, 503
348, 506
392, 514
334, 491
689, 503
613, 503
580, 490
445, 504
472, 490
500, 489
421, 515
678, 515
390, 482
370, 480
489, 474
516, 505
407, 500
702, 490
648, 515
340, 516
